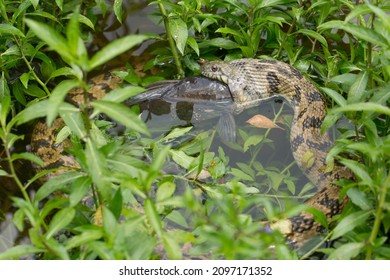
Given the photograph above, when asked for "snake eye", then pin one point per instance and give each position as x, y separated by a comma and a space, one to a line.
214, 68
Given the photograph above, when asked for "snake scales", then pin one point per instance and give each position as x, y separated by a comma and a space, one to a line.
250, 82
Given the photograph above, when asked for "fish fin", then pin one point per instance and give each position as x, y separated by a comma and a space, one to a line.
226, 127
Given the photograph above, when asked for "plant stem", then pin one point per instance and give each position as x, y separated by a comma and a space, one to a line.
277, 56
176, 58
12, 168
378, 217
42, 84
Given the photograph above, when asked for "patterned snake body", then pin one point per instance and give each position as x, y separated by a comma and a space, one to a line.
251, 81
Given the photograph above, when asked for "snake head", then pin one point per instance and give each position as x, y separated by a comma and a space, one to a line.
218, 70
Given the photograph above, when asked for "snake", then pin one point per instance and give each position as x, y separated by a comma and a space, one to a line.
251, 81
43, 138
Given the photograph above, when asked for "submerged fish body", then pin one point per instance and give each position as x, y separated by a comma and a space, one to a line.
193, 100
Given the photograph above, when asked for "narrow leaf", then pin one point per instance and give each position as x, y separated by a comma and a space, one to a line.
18, 251
359, 198
51, 37
153, 217
75, 122
28, 156
314, 35
122, 114
56, 184
60, 220
176, 132
360, 32
364, 106
338, 98
115, 48
57, 97
350, 222
358, 88
179, 32
346, 251
9, 29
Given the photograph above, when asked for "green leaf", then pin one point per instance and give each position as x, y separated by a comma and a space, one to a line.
64, 133
56, 248
314, 35
97, 166
153, 217
60, 3
51, 37
35, 91
121, 94
80, 189
84, 20
64, 71
19, 219
193, 44
359, 170
57, 97
219, 43
358, 88
172, 247
19, 251
350, 222
3, 172
226, 30
43, 14
165, 191
177, 217
252, 140
346, 251
55, 184
176, 132
346, 78
241, 175
109, 222
5, 107
382, 14
73, 33
359, 198
360, 32
75, 122
115, 48
60, 220
9, 29
338, 98
365, 107
182, 158
24, 78
84, 238
122, 114
118, 10
358, 10
178, 30
159, 159
28, 156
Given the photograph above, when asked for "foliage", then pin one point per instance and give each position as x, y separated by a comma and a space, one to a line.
139, 210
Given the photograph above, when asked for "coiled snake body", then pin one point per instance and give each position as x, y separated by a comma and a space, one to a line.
251, 81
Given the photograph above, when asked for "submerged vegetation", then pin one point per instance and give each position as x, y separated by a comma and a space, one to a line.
213, 206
